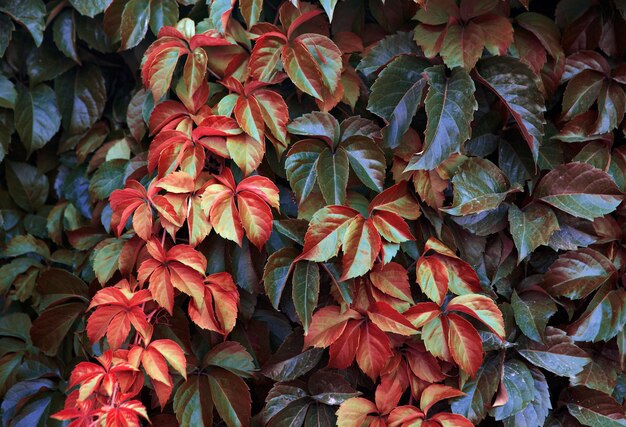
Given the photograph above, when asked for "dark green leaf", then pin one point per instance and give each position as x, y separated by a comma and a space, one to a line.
519, 385
531, 227
163, 13
8, 94
332, 175
580, 190
450, 106
532, 310
536, 412
367, 161
514, 83
479, 186
64, 30
37, 117
604, 317
109, 176
396, 94
558, 355
134, 25
387, 49
305, 289
276, 273
193, 404
29, 13
82, 96
301, 166
28, 187
90, 7
231, 397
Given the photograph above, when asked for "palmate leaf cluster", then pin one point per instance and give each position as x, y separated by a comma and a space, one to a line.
336, 212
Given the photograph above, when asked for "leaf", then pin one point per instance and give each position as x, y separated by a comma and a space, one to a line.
462, 45
163, 13
332, 175
479, 186
580, 190
329, 7
108, 178
536, 412
604, 317
276, 273
396, 94
37, 117
389, 320
27, 186
134, 24
479, 391
64, 31
305, 289
251, 11
53, 325
90, 8
482, 308
82, 96
367, 161
326, 233
576, 274
450, 106
106, 259
531, 227
519, 385
465, 344
361, 246
231, 397
29, 13
232, 356
8, 94
386, 50
301, 167
193, 404
532, 311
522, 98
593, 408
558, 355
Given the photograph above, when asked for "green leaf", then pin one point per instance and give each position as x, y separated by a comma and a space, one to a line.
301, 166
108, 177
46, 63
519, 385
27, 186
6, 31
64, 31
450, 106
8, 94
400, 43
82, 96
604, 317
479, 186
29, 13
276, 273
90, 8
593, 408
37, 117
163, 13
558, 355
580, 190
292, 414
367, 161
576, 274
479, 391
317, 124
531, 227
532, 310
396, 94
134, 26
536, 412
320, 416
231, 356
332, 175
231, 397
290, 362
329, 7
599, 375
25, 244
305, 289
106, 259
514, 83
193, 404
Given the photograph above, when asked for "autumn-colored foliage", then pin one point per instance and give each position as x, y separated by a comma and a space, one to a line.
384, 213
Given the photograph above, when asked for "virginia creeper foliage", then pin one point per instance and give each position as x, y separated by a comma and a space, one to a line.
384, 213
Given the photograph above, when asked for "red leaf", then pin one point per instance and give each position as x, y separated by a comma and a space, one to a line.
465, 344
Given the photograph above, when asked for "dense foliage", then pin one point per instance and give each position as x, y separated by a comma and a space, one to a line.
282, 213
